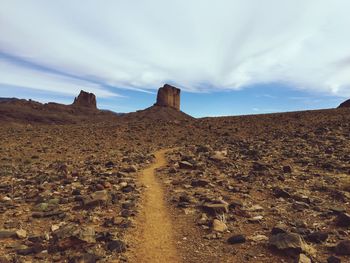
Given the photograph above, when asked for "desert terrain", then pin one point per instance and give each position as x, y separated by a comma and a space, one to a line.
82, 185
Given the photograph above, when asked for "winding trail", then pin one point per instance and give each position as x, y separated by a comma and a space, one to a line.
153, 235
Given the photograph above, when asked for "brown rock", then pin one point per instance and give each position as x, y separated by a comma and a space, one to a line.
290, 241
85, 99
345, 104
168, 96
343, 248
219, 226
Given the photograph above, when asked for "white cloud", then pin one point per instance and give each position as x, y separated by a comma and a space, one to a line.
21, 77
197, 44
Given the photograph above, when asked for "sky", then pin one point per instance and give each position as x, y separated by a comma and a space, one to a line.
229, 57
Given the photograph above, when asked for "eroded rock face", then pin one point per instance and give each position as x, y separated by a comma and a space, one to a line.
168, 96
85, 99
345, 104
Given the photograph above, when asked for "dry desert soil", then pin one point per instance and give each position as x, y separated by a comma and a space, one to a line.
160, 186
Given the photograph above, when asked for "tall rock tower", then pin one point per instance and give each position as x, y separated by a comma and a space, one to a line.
168, 96
85, 99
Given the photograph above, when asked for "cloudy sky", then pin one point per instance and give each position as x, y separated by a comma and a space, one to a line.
233, 56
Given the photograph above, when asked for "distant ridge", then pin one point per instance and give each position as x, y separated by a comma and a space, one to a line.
28, 111
345, 104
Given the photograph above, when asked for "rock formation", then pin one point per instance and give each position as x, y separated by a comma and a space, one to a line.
345, 104
85, 99
168, 96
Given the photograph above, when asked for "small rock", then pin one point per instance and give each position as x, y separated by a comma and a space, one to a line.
7, 234
219, 226
255, 219
343, 220
21, 234
24, 250
258, 238
117, 246
199, 183
333, 259
343, 248
236, 239
302, 258
96, 199
287, 169
218, 156
279, 192
278, 229
130, 169
317, 237
290, 241
214, 209
109, 164
185, 165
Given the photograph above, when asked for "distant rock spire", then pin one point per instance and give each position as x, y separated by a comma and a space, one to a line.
85, 99
169, 96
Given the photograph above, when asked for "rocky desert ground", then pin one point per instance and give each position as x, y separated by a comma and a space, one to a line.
160, 186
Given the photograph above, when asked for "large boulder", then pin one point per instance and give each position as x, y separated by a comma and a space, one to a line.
168, 96
85, 99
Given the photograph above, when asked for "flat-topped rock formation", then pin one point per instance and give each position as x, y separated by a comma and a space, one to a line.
166, 108
168, 96
85, 99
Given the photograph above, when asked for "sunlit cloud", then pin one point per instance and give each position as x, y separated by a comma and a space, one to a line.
199, 45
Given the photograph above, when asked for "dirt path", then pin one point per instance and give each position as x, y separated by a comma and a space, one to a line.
153, 235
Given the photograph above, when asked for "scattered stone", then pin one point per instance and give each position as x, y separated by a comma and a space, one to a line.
215, 209
302, 258
7, 234
236, 239
258, 238
279, 229
333, 259
70, 234
199, 183
287, 169
117, 246
98, 198
279, 192
218, 156
219, 226
24, 250
21, 234
48, 214
130, 169
317, 237
343, 248
343, 220
185, 165
290, 241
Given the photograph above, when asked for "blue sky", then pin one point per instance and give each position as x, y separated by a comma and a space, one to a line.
229, 57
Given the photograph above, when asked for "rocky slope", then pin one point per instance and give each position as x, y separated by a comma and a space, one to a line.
260, 188
345, 104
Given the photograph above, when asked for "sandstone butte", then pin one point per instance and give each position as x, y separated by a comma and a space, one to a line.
85, 99
168, 96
